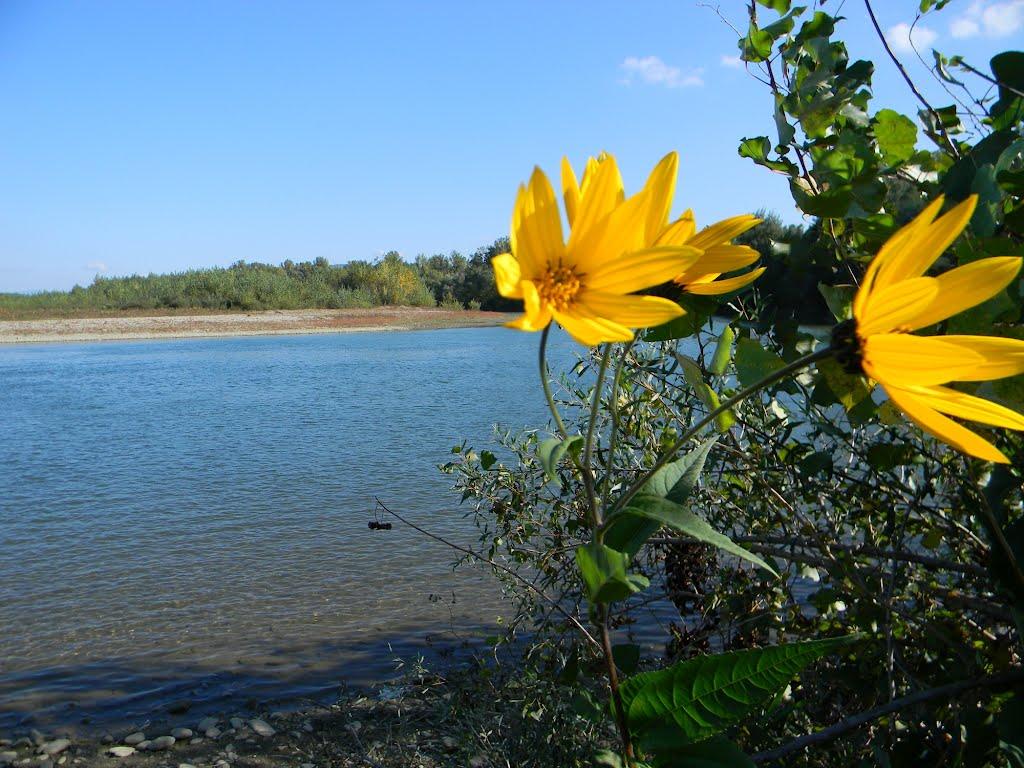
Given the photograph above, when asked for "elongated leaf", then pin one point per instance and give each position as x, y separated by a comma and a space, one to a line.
705, 695
723, 351
708, 396
683, 520
551, 451
754, 362
628, 533
677, 480
605, 574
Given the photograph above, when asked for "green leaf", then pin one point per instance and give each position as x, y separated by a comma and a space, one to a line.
723, 351
986, 216
487, 459
754, 362
698, 310
626, 656
628, 533
1008, 70
757, 149
757, 45
849, 390
669, 748
705, 695
551, 451
676, 481
896, 135
605, 574
839, 299
781, 6
703, 390
681, 519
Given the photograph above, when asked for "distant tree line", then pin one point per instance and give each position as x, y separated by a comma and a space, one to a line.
795, 263
452, 281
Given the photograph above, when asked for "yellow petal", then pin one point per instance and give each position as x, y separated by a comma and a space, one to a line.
537, 227
679, 232
631, 311
895, 307
660, 187
725, 258
602, 194
907, 361
570, 190
964, 406
591, 332
621, 231
642, 269
719, 287
724, 231
895, 249
927, 245
968, 286
998, 357
507, 276
946, 430
535, 316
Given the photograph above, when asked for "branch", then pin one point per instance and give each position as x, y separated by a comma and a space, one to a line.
497, 566
1004, 680
931, 110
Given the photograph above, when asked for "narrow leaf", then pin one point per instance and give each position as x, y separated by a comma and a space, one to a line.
551, 451
683, 520
705, 695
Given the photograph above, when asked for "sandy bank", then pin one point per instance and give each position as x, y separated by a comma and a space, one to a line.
270, 323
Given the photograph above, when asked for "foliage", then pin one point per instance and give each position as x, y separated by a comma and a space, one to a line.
779, 515
453, 282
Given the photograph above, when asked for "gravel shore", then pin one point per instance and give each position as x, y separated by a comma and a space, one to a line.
275, 322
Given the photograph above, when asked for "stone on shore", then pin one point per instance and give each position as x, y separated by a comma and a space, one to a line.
134, 739
262, 727
54, 747
8, 757
161, 742
213, 732
207, 723
182, 733
237, 723
121, 751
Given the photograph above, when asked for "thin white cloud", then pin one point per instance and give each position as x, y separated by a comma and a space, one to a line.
733, 62
96, 266
651, 69
989, 18
903, 39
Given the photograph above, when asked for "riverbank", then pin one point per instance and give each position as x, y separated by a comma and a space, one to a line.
122, 326
476, 716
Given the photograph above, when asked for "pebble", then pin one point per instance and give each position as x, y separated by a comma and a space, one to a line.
477, 762
46, 763
162, 742
307, 765
142, 746
237, 723
207, 723
182, 733
37, 737
121, 751
307, 727
196, 740
213, 733
133, 739
8, 757
55, 747
449, 743
262, 727
185, 765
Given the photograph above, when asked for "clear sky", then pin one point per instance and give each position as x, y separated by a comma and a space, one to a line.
143, 136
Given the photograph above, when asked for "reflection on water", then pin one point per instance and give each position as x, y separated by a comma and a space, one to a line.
190, 517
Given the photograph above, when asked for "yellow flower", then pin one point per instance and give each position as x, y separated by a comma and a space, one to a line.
719, 255
585, 284
895, 298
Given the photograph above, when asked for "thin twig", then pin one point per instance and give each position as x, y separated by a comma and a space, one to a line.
1006, 679
497, 566
954, 150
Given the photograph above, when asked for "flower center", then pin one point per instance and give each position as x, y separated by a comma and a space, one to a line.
846, 346
559, 287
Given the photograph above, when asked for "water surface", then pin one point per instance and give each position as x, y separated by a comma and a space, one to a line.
188, 519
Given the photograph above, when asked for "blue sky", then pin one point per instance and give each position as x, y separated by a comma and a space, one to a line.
146, 136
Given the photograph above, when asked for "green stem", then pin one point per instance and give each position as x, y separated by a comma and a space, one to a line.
543, 362
743, 394
613, 438
588, 445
